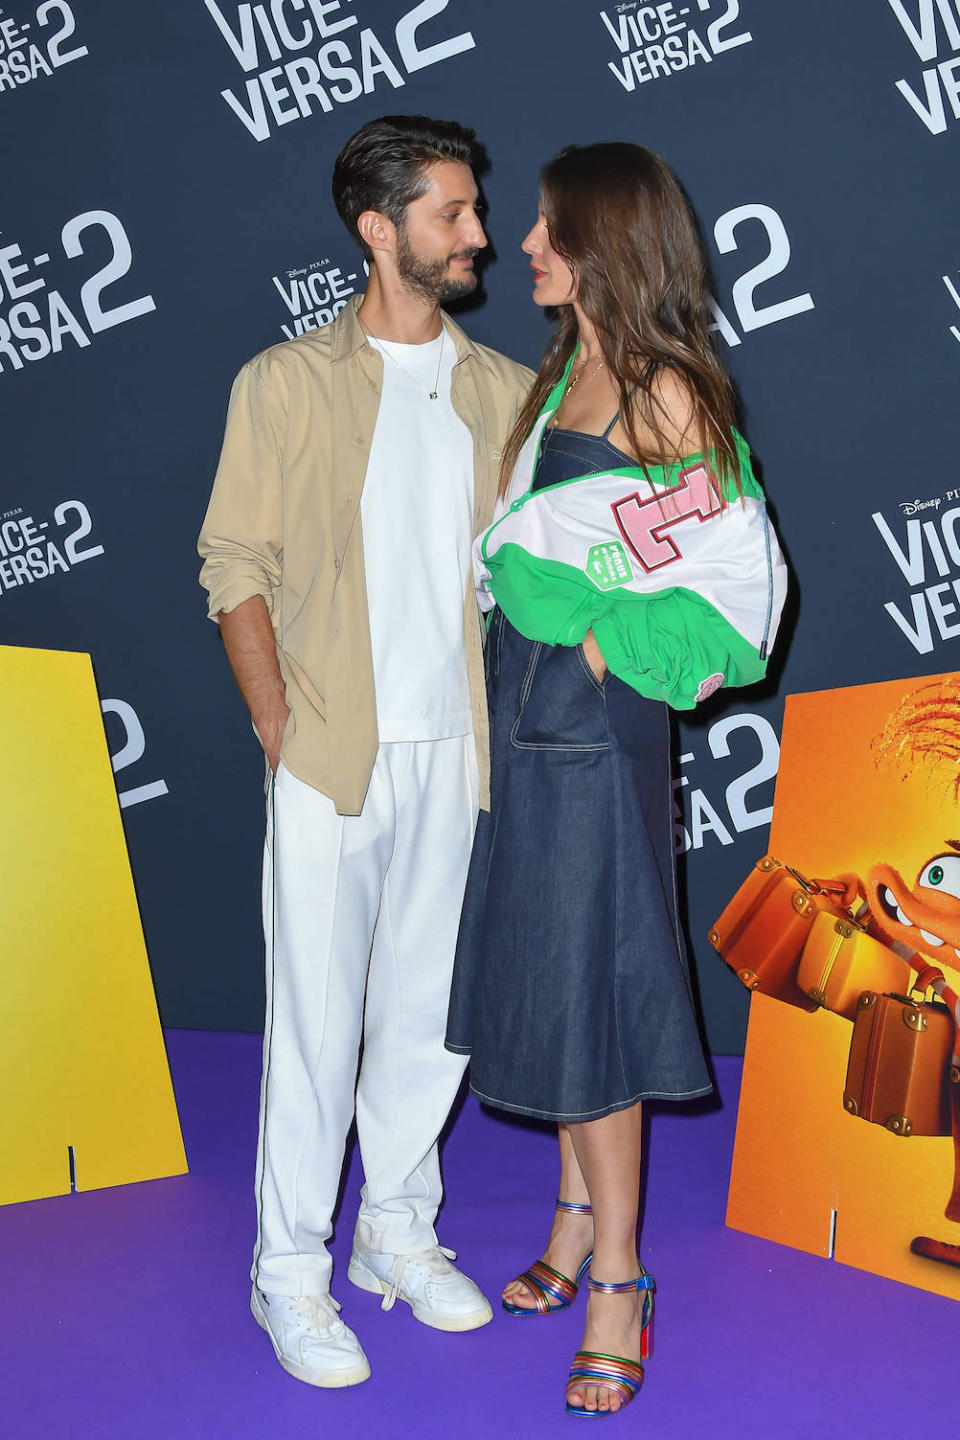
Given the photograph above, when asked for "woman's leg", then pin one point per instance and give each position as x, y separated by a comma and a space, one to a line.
572, 1235
608, 1155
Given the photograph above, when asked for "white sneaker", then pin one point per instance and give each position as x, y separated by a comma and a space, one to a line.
437, 1292
309, 1338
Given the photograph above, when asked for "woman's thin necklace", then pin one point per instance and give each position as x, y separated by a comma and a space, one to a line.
571, 386
381, 346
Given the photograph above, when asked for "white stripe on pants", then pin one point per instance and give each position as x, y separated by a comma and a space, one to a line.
360, 917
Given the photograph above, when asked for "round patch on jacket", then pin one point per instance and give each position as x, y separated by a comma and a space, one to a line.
709, 686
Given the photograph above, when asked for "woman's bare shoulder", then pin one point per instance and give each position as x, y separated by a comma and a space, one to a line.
671, 409
675, 395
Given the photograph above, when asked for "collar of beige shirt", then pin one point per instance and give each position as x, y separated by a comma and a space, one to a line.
348, 336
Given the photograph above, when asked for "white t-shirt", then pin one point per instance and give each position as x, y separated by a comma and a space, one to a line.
417, 517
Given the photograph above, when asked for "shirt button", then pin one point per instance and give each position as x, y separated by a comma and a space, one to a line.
517, 505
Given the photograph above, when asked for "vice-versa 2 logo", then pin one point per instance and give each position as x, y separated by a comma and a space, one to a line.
924, 543
45, 311
312, 55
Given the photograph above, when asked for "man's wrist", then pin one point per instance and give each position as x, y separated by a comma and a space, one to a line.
270, 724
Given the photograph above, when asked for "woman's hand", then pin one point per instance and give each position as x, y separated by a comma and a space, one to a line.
593, 657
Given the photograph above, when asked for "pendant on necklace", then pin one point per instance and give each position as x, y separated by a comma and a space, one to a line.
433, 394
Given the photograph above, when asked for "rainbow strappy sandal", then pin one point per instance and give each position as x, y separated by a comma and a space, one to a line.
613, 1372
551, 1290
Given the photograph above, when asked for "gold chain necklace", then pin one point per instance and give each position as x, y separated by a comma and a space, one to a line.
570, 387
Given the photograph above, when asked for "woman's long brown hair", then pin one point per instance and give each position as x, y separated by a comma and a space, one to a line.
617, 215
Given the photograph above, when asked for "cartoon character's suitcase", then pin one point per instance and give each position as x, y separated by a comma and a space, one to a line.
898, 1073
932, 1249
840, 960
762, 931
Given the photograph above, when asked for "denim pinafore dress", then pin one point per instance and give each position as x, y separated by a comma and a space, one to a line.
571, 991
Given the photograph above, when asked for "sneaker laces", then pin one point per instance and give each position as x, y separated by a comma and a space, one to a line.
319, 1311
435, 1261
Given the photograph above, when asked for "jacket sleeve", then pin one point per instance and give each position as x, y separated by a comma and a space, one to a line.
241, 542
675, 630
675, 646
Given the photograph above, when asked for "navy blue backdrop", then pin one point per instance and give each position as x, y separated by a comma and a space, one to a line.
165, 213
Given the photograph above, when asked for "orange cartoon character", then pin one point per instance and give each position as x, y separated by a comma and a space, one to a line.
867, 772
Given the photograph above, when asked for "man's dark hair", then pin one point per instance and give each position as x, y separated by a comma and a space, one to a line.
384, 166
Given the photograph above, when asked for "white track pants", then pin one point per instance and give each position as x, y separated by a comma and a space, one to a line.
360, 917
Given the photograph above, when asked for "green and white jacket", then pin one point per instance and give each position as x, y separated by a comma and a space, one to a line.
680, 577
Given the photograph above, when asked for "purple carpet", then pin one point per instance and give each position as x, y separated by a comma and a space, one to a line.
128, 1307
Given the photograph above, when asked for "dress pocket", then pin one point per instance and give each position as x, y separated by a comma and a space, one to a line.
562, 704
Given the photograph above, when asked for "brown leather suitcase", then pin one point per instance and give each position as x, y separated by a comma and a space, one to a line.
840, 961
898, 1073
762, 931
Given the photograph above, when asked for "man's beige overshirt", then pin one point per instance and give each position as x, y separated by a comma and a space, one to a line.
284, 522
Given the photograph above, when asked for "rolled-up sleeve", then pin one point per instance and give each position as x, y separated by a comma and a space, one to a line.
241, 542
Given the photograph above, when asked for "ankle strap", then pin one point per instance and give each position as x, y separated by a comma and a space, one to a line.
570, 1207
642, 1282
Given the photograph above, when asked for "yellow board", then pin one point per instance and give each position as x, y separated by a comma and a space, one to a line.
82, 1063
867, 785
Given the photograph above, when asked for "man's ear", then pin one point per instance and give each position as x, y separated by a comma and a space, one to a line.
377, 231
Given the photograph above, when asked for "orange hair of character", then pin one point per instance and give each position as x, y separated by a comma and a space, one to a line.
923, 732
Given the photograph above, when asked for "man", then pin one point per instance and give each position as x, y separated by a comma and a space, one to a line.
358, 463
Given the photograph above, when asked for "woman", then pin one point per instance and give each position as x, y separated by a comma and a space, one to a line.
633, 569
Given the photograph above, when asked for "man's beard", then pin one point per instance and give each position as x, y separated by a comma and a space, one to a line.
428, 279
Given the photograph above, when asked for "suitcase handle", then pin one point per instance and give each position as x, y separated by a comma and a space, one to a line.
816, 887
927, 976
810, 886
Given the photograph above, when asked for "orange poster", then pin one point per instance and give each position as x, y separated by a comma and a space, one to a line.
868, 789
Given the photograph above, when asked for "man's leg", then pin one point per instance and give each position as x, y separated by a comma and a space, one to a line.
322, 880
408, 1081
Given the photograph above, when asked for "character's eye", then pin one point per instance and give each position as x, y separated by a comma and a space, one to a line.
942, 873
